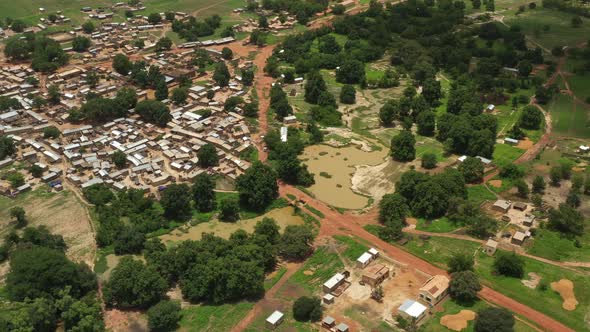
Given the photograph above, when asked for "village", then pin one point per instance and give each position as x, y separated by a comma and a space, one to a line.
82, 154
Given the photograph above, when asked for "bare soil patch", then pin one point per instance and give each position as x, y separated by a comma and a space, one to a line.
525, 144
565, 288
533, 280
125, 321
459, 321
411, 221
495, 183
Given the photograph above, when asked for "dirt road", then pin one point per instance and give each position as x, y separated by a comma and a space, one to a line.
268, 297
351, 224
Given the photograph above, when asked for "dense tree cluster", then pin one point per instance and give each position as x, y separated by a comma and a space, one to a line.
279, 102
288, 166
193, 28
7, 147
431, 196
46, 54
153, 111
257, 186
494, 319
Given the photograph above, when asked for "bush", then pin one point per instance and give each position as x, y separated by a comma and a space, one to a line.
348, 94
229, 209
494, 320
51, 132
429, 160
307, 309
464, 286
509, 264
164, 316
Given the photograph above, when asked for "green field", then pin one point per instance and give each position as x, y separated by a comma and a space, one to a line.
479, 193
553, 246
29, 9
569, 119
438, 250
442, 225
451, 307
213, 318
534, 22
547, 301
580, 85
505, 154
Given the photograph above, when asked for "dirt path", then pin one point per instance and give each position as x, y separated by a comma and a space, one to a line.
351, 224
268, 296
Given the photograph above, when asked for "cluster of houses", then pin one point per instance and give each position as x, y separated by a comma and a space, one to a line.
156, 156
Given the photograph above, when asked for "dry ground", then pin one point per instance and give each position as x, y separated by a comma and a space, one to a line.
565, 288
459, 321
62, 213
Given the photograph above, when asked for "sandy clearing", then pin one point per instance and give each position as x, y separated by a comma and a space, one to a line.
565, 288
459, 321
525, 144
495, 183
533, 280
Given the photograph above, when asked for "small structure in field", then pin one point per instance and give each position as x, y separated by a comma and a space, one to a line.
519, 206
490, 247
528, 220
328, 298
329, 322
518, 238
342, 328
435, 289
412, 310
334, 282
502, 205
275, 319
375, 275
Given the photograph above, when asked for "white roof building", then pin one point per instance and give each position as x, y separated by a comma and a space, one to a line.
365, 258
275, 317
412, 308
334, 281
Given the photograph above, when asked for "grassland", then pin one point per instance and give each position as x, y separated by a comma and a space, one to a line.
28, 10
546, 301
442, 225
213, 318
438, 250
569, 119
505, 154
534, 24
553, 246
323, 264
479, 193
451, 307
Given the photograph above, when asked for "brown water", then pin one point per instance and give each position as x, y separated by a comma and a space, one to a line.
283, 216
339, 163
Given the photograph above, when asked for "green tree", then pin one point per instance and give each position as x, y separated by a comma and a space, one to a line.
36, 171
257, 186
296, 242
268, 227
229, 209
426, 122
7, 147
227, 53
88, 27
161, 90
351, 72
307, 309
555, 176
566, 220
459, 262
203, 194
176, 201
164, 44
314, 87
53, 94
122, 64
429, 160
472, 169
524, 68
42, 272
51, 132
179, 96
388, 112
538, 184
16, 179
98, 194
207, 155
134, 285
164, 316
247, 77
494, 319
402, 146
464, 286
154, 18
221, 74
119, 159
348, 94
81, 44
509, 264
153, 111
18, 213
393, 207
531, 118
522, 188
127, 98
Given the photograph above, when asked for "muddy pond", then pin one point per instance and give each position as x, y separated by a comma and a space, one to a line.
334, 168
283, 216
